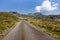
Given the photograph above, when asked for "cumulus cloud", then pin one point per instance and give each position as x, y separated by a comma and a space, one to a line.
47, 6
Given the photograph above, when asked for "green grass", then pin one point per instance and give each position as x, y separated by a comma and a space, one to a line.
7, 20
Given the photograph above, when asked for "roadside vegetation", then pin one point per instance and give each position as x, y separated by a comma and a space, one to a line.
7, 20
47, 25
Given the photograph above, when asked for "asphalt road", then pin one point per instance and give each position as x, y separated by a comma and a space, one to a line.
25, 31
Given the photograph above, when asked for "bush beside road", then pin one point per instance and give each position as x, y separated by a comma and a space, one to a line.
49, 26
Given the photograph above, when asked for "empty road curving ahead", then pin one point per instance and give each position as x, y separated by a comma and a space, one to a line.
25, 31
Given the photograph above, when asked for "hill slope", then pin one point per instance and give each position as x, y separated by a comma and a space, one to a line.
7, 20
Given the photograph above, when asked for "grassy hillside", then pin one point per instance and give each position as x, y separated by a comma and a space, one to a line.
7, 20
48, 25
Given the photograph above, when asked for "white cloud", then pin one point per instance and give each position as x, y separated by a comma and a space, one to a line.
38, 8
47, 6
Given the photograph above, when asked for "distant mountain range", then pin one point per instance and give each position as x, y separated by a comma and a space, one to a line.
37, 15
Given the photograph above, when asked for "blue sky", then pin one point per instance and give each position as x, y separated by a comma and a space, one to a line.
25, 6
